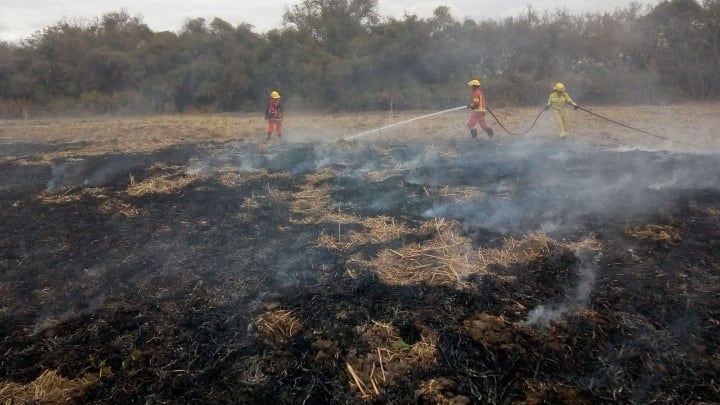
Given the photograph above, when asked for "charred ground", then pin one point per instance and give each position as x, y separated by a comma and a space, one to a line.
315, 272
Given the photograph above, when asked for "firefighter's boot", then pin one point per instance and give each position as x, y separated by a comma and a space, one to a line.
473, 133
490, 132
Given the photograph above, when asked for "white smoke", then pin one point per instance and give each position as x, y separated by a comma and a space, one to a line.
543, 315
66, 174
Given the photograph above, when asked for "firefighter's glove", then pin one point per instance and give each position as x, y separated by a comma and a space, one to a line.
547, 107
575, 106
469, 106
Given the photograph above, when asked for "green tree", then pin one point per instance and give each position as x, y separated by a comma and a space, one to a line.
7, 54
105, 70
682, 39
333, 23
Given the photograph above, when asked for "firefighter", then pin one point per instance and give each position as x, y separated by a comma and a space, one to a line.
273, 115
559, 100
478, 110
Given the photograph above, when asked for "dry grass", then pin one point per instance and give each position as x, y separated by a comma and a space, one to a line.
660, 233
313, 203
164, 184
319, 177
231, 177
337, 217
110, 205
275, 193
449, 259
445, 259
458, 193
389, 357
440, 391
278, 326
686, 127
72, 195
378, 176
118, 207
514, 251
251, 202
693, 128
529, 249
589, 245
712, 211
107, 134
335, 242
49, 388
383, 229
377, 230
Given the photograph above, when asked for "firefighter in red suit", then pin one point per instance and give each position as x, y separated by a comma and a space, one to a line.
273, 115
478, 110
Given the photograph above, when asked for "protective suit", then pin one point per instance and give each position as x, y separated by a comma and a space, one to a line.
477, 105
559, 101
273, 115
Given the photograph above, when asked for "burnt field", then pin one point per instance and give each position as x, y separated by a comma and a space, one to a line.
531, 270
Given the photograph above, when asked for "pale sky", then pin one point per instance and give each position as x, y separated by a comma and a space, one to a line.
20, 19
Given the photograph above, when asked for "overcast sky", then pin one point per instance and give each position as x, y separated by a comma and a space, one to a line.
19, 19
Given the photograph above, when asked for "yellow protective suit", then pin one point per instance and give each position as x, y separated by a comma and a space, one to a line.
559, 102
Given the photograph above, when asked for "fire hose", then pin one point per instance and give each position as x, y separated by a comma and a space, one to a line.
621, 124
642, 131
535, 121
542, 110
594, 114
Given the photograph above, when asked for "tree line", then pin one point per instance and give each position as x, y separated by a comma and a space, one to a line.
340, 55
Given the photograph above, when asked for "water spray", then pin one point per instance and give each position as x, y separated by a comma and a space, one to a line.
402, 122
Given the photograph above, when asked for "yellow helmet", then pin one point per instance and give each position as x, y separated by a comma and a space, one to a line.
559, 87
474, 82
274, 94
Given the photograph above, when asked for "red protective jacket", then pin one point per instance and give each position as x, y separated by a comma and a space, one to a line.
274, 110
478, 100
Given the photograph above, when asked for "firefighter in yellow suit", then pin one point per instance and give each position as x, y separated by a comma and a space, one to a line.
559, 101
